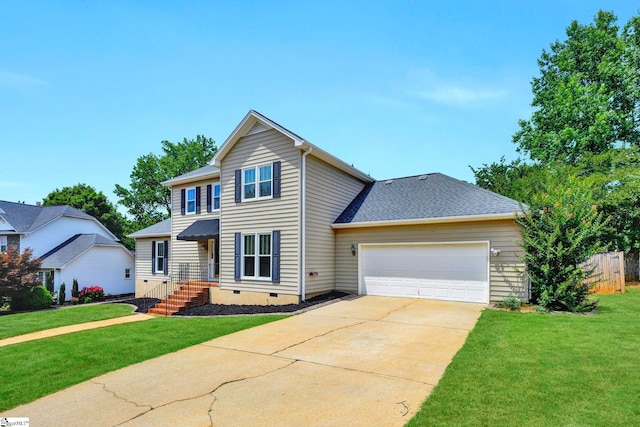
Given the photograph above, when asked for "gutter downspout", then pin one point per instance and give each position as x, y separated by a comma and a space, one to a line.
303, 224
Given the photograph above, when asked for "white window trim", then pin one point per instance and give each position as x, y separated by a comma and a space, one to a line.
256, 261
164, 257
127, 272
4, 241
186, 201
213, 197
257, 183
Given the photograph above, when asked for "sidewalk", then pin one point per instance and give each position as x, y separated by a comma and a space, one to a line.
74, 328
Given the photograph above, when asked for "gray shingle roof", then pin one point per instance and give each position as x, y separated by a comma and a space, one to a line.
412, 198
25, 218
203, 171
71, 248
162, 228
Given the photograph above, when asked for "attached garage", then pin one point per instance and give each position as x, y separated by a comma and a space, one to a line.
446, 271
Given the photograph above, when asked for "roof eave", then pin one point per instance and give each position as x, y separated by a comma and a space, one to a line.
420, 221
185, 180
336, 162
147, 235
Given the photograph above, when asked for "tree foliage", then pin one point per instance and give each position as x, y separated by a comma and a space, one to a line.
147, 200
87, 199
18, 272
587, 94
517, 180
561, 229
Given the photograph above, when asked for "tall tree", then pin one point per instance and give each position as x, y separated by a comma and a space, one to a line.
87, 199
587, 94
517, 180
147, 200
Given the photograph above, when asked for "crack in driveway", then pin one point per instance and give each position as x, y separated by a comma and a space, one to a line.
151, 408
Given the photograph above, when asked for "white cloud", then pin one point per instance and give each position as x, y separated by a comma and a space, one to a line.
463, 92
462, 96
19, 81
11, 184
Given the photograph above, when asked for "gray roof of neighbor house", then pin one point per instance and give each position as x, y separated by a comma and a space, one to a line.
162, 228
26, 218
420, 197
72, 247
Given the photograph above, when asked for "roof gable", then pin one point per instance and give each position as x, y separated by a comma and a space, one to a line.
424, 198
254, 122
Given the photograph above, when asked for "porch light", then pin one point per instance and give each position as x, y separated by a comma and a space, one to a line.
353, 250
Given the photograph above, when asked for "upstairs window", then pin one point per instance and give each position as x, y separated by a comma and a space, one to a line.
191, 200
257, 182
216, 197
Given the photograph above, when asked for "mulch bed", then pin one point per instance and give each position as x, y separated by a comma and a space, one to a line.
144, 304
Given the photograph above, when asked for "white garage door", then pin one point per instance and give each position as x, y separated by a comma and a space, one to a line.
455, 272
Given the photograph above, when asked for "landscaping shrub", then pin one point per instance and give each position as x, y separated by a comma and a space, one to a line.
36, 298
61, 293
91, 294
74, 288
512, 302
560, 231
49, 282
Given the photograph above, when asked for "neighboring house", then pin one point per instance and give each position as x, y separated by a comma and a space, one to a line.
71, 245
274, 220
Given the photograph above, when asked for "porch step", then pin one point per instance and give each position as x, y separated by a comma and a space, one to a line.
185, 296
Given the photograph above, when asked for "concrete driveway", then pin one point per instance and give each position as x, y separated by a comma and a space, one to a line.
366, 361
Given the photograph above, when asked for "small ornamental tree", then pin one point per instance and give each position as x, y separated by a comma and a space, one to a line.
49, 281
74, 288
560, 231
61, 293
18, 272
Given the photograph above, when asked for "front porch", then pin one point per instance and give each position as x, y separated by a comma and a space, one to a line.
187, 287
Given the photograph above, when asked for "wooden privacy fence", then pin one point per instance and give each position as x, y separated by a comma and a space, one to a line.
609, 272
631, 267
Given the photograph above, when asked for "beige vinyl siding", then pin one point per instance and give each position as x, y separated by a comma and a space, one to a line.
182, 251
328, 192
144, 278
266, 215
506, 270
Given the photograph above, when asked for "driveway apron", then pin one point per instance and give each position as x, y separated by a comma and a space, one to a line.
361, 362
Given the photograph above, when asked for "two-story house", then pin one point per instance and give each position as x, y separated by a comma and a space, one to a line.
275, 219
71, 245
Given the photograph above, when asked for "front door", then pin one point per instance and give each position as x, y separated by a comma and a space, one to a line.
213, 260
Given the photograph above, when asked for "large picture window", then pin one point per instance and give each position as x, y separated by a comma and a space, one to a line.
256, 255
257, 182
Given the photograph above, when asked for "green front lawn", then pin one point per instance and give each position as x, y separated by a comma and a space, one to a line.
34, 369
24, 323
540, 369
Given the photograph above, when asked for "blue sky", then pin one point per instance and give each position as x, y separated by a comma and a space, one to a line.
397, 88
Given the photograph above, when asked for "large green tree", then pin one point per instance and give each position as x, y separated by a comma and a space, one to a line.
587, 95
87, 199
586, 124
147, 200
